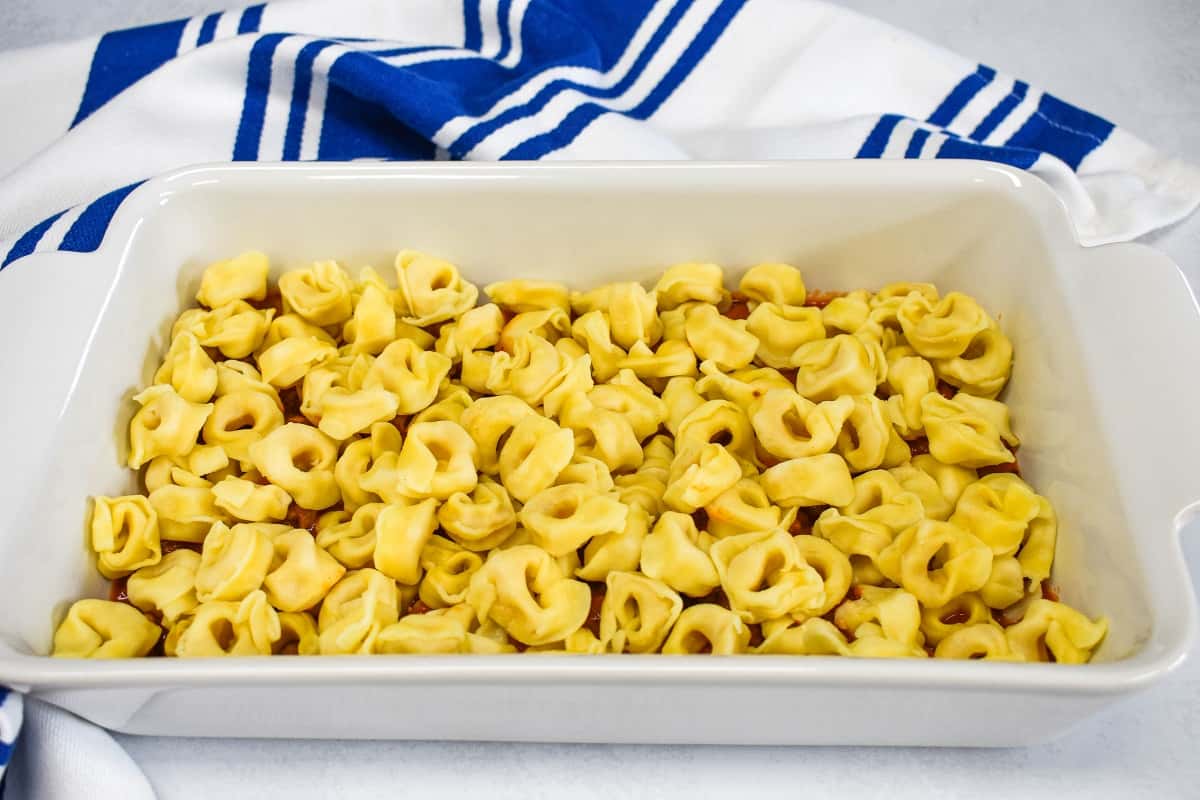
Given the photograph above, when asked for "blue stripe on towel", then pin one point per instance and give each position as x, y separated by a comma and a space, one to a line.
502, 9
877, 139
208, 29
254, 106
961, 94
370, 109
88, 230
251, 19
472, 27
301, 90
1001, 111
25, 245
576, 121
124, 57
916, 143
592, 39
709, 33
961, 148
1062, 130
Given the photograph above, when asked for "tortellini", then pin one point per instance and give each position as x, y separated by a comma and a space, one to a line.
236, 328
562, 519
124, 534
401, 533
831, 368
243, 277
339, 464
774, 283
765, 577
707, 628
355, 610
185, 513
165, 425
188, 369
168, 588
249, 627
234, 562
249, 501
524, 591
960, 434
637, 613
1053, 630
676, 552
963, 562
431, 290
1012, 520
300, 460
241, 418
519, 296
321, 293
411, 374
480, 519
104, 629
300, 573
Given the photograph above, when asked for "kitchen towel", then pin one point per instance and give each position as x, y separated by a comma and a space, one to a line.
517, 79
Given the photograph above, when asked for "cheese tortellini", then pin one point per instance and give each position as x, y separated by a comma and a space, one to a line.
343, 465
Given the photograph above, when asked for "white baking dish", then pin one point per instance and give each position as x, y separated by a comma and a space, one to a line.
1107, 348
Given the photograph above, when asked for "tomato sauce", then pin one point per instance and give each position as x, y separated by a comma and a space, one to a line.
304, 518
290, 397
919, 446
418, 607
819, 299
170, 546
118, 590
273, 300
738, 307
956, 617
593, 617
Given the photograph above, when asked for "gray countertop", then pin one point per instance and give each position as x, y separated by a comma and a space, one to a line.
1135, 62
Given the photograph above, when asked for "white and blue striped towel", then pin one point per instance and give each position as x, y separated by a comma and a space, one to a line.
531, 79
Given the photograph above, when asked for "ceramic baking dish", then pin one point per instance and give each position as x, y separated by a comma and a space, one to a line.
1107, 347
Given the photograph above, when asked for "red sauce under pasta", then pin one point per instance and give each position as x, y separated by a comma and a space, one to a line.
593, 617
273, 299
1002, 618
118, 590
801, 526
956, 617
738, 307
170, 546
756, 635
819, 299
417, 607
290, 397
304, 518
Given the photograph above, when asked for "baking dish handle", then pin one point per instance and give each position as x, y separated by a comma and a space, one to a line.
49, 307
1142, 319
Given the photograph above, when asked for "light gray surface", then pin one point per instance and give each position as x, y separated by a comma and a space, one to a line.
1137, 63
